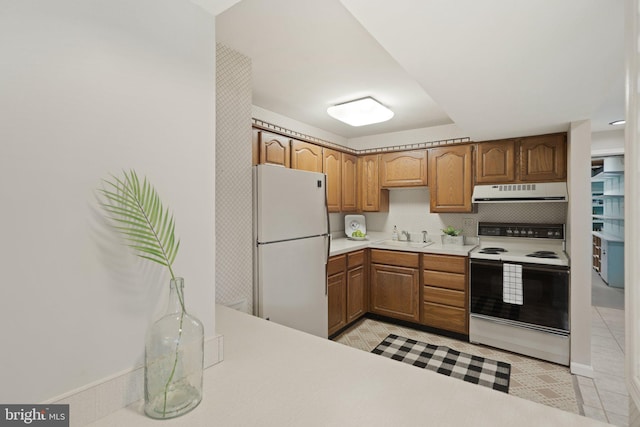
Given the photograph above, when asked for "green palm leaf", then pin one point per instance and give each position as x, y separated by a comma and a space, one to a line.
138, 214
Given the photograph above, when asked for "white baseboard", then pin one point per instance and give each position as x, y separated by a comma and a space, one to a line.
582, 370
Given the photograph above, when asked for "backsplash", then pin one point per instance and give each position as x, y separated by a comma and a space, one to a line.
409, 210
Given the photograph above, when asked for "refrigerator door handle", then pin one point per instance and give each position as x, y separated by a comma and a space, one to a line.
327, 239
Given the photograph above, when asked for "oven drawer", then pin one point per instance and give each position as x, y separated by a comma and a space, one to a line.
444, 296
444, 280
449, 318
450, 263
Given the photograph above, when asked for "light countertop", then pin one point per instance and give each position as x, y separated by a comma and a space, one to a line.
341, 245
276, 376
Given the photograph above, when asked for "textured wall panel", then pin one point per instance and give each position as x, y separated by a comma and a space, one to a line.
234, 266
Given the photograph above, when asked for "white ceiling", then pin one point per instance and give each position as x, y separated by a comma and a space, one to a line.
495, 68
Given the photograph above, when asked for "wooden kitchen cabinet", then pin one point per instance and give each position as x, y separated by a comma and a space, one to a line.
347, 289
495, 162
445, 296
306, 156
332, 167
403, 169
372, 197
450, 178
274, 149
395, 284
356, 286
336, 293
349, 193
543, 158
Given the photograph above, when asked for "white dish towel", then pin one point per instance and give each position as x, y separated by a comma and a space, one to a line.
512, 283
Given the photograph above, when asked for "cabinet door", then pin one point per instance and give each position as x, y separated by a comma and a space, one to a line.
356, 303
373, 199
450, 179
306, 156
403, 169
349, 183
394, 292
543, 158
333, 170
337, 297
495, 162
274, 149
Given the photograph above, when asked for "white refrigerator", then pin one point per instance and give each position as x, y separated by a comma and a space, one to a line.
291, 230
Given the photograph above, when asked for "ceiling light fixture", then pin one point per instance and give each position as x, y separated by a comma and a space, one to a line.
360, 112
617, 122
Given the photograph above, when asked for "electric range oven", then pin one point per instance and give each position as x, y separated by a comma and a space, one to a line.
519, 283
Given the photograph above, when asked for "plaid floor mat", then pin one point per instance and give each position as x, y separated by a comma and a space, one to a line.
441, 359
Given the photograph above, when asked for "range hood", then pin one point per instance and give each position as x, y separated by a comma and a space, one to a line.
521, 193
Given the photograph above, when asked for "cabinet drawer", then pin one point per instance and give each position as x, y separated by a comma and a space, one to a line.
444, 317
355, 259
337, 264
444, 280
403, 259
452, 264
444, 296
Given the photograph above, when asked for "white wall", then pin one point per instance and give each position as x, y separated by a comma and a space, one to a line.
297, 126
579, 244
90, 88
413, 136
607, 143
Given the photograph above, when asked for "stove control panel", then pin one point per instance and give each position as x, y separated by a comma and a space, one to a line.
534, 231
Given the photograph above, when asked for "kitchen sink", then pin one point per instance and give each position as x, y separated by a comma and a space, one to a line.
404, 244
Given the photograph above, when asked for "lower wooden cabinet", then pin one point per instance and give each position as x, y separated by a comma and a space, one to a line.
336, 293
429, 289
395, 284
347, 289
356, 286
445, 297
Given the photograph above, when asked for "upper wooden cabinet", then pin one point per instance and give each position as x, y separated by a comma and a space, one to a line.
306, 156
539, 158
543, 158
495, 161
450, 178
372, 197
333, 169
349, 183
274, 149
403, 169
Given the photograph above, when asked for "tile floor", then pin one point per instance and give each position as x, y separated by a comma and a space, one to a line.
605, 396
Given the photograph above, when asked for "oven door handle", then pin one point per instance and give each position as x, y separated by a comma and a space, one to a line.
559, 269
530, 267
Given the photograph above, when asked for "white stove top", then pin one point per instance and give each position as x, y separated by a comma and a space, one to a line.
517, 250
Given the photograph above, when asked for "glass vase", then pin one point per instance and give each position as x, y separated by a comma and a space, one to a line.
174, 357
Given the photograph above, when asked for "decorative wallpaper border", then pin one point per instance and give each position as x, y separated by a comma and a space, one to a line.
308, 138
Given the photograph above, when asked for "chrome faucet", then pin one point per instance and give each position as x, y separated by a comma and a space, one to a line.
406, 233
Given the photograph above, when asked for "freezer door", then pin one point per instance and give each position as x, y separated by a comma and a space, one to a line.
290, 203
291, 284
